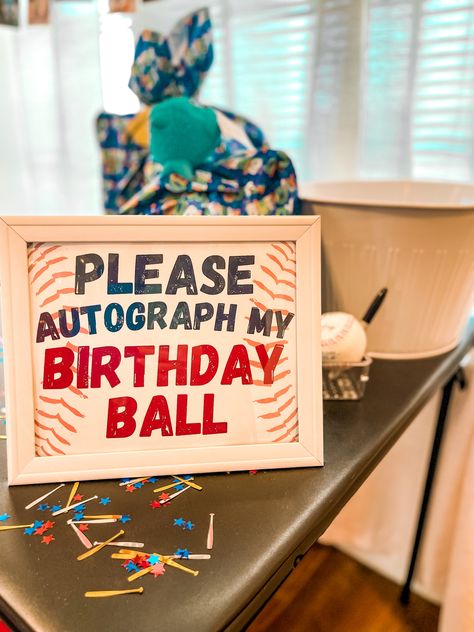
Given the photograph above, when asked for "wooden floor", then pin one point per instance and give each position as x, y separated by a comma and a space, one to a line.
330, 592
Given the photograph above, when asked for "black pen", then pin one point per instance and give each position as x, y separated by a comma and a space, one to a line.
374, 307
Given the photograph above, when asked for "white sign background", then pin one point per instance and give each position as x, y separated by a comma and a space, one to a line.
71, 421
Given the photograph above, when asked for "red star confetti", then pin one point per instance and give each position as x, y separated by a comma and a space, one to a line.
130, 488
41, 530
48, 525
158, 569
83, 527
78, 497
143, 563
164, 496
47, 539
155, 504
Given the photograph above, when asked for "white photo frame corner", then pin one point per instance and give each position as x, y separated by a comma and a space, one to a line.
25, 467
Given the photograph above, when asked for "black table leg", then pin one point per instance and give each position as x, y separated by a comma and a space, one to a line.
458, 378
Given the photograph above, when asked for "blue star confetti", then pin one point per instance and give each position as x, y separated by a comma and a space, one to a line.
79, 515
179, 522
4, 517
29, 531
184, 553
153, 559
125, 518
153, 479
38, 523
104, 501
189, 525
56, 508
43, 507
80, 508
132, 567
180, 487
138, 485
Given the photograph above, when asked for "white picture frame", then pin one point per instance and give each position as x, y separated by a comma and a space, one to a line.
25, 466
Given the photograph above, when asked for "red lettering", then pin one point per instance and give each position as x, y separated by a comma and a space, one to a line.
165, 365
208, 425
158, 406
58, 374
124, 417
83, 354
106, 370
139, 354
196, 377
182, 427
238, 365
269, 363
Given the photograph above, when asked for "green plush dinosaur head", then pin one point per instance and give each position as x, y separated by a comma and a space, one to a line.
182, 135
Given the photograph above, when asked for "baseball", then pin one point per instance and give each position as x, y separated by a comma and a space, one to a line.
343, 338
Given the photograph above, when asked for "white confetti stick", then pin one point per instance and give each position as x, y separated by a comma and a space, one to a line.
210, 533
82, 537
66, 509
134, 480
131, 545
192, 556
173, 495
101, 521
38, 500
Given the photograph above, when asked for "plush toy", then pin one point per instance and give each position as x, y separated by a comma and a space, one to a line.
182, 135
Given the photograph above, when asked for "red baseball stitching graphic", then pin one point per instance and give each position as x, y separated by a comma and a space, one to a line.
62, 417
277, 411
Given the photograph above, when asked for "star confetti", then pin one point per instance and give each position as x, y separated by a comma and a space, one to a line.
130, 488
40, 530
125, 518
184, 553
179, 522
56, 508
47, 539
48, 525
83, 527
138, 485
153, 559
155, 504
104, 501
189, 525
143, 562
38, 523
132, 567
78, 497
79, 515
43, 507
80, 508
4, 517
180, 487
29, 531
153, 479
164, 496
158, 569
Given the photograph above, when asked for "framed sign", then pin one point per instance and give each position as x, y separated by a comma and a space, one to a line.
160, 345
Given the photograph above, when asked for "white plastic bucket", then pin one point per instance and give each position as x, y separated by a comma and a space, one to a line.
416, 239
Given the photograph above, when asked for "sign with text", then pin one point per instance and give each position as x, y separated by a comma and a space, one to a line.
151, 354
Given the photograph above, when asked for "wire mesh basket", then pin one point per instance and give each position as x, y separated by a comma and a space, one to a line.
345, 381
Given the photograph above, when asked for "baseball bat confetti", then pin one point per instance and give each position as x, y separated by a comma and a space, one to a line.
113, 593
38, 500
97, 548
210, 533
